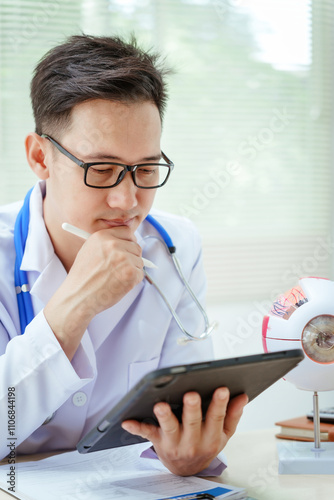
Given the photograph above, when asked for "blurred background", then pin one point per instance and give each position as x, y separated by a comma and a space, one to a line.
249, 127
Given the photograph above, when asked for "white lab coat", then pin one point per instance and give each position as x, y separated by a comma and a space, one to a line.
121, 344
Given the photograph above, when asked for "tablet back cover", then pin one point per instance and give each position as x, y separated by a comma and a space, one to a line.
247, 374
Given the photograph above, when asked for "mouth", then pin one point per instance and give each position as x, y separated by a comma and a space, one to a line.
118, 222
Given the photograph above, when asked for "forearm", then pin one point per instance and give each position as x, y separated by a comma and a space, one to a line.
112, 272
42, 379
68, 316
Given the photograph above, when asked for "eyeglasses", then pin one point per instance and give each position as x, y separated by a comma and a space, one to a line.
102, 175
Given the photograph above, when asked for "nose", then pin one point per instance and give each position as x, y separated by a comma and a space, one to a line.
124, 195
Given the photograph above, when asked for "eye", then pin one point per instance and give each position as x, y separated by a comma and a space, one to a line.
147, 170
102, 169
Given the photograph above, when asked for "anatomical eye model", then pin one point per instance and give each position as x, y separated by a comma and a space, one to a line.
288, 302
318, 334
303, 318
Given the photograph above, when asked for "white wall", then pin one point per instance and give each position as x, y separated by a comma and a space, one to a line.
239, 334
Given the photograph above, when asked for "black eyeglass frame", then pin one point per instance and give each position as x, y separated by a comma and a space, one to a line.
126, 168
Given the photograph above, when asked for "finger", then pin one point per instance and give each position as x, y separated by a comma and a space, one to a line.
120, 237
142, 429
234, 412
121, 232
169, 424
215, 415
192, 417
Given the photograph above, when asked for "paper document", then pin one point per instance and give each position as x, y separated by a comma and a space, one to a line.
117, 474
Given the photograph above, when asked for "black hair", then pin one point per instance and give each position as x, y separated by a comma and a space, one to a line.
89, 67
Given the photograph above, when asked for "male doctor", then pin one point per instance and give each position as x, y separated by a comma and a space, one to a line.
98, 326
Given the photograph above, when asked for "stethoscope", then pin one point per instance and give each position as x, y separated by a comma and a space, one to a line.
22, 288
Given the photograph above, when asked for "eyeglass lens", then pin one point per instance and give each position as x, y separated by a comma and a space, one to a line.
148, 175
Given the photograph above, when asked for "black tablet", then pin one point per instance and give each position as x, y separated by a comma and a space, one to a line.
247, 374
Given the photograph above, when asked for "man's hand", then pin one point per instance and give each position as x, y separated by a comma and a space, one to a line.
106, 268
188, 448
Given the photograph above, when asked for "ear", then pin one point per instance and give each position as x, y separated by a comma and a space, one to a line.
37, 151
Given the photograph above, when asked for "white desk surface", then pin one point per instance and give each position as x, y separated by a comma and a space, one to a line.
253, 464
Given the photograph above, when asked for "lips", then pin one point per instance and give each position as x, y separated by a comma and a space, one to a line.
118, 222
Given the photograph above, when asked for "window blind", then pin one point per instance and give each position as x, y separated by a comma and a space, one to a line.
249, 124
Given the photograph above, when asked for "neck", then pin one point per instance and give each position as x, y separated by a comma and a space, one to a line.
66, 246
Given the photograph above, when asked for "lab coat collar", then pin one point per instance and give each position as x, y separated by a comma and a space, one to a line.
39, 250
45, 271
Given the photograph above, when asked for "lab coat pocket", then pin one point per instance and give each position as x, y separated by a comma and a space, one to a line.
140, 368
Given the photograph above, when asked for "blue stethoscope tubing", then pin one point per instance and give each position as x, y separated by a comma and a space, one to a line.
166, 239
163, 233
24, 302
21, 229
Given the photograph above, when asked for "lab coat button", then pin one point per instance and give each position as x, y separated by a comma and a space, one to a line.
79, 399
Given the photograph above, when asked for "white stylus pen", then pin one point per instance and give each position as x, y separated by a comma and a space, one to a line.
83, 234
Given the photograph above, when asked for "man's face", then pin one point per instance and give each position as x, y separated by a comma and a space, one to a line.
101, 131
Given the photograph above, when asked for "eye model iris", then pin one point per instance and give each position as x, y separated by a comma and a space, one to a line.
318, 339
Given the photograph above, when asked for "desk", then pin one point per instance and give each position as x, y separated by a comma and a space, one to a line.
253, 464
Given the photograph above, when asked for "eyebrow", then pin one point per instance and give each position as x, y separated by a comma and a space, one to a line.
112, 158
